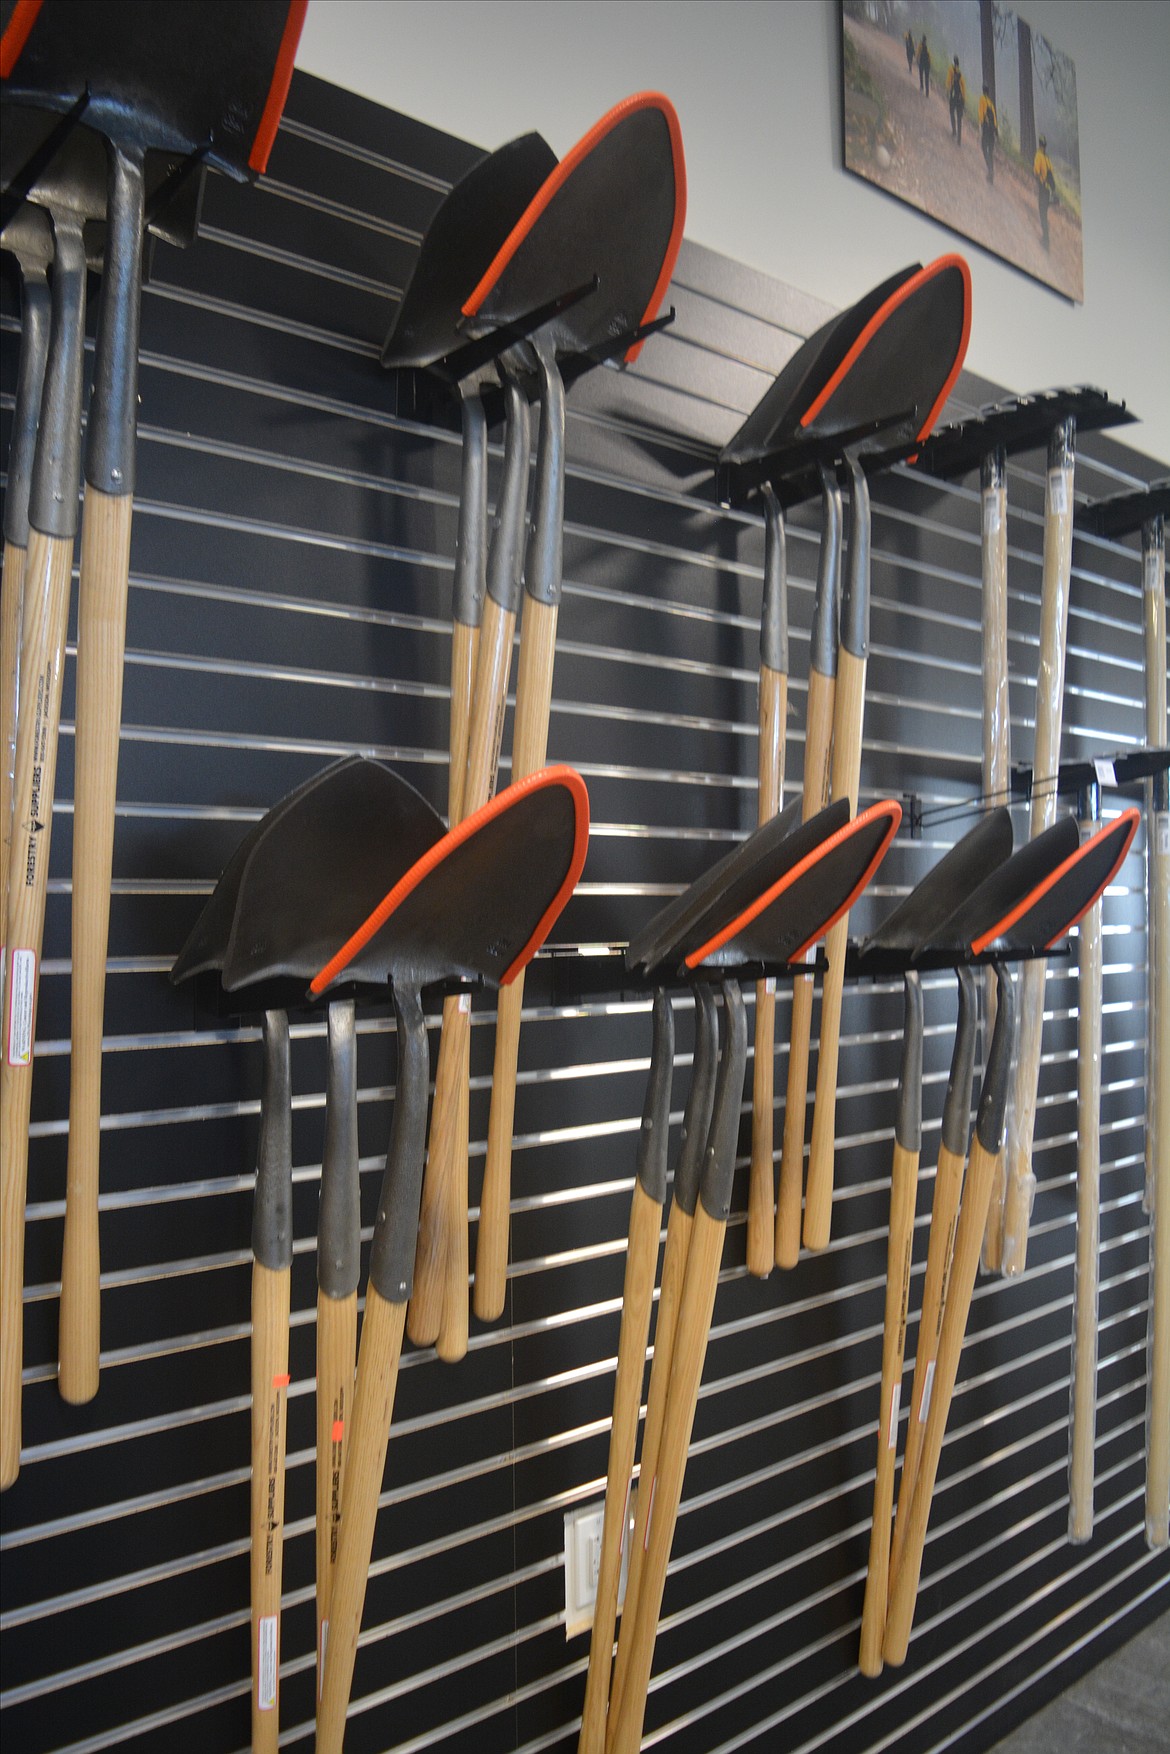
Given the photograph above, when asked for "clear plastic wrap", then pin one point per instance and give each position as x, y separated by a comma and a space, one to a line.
1154, 622
1158, 1346
1083, 1391
997, 751
1020, 1188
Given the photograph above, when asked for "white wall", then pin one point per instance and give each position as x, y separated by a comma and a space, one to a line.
756, 85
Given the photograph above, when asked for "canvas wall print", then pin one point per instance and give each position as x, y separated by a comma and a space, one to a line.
960, 108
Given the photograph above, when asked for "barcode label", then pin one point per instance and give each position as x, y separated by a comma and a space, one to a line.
991, 514
266, 1670
1058, 492
1103, 768
20, 1007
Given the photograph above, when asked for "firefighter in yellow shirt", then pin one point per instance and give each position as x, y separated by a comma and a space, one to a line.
956, 99
988, 132
1045, 186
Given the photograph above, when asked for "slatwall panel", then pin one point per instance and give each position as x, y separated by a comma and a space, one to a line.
291, 587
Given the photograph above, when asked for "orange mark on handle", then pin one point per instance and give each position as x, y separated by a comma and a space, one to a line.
338, 1430
281, 1382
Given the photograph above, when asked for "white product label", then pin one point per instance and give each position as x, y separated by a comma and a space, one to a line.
926, 1388
1057, 492
266, 1667
991, 518
20, 1007
465, 1002
895, 1403
1104, 772
1162, 833
770, 984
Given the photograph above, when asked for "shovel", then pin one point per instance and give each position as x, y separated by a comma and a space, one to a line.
906, 931
477, 906
29, 237
908, 357
810, 880
610, 213
277, 902
1032, 900
180, 89
52, 515
868, 380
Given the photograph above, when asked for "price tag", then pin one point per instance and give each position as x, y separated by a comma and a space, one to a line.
1058, 492
1103, 768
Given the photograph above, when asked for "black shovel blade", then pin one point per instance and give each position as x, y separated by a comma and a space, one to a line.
776, 417
482, 901
718, 894
208, 940
799, 906
907, 357
932, 903
461, 241
1069, 890
990, 902
318, 868
179, 75
613, 208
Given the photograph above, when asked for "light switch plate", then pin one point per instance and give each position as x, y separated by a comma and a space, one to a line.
583, 1531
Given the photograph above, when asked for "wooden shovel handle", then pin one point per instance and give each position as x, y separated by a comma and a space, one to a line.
674, 1267
637, 1298
1157, 953
1020, 1188
448, 1140
101, 645
690, 1351
11, 598
968, 1241
448, 1129
944, 1213
903, 1188
761, 1247
529, 748
270, 1310
336, 1351
365, 1462
46, 609
818, 747
848, 710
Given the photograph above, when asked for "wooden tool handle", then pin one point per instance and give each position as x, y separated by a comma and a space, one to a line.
270, 1309
790, 1187
1158, 1349
903, 1188
674, 1266
448, 1127
529, 747
336, 1351
438, 1225
46, 608
968, 1241
818, 746
944, 1213
1154, 639
365, 1462
491, 1249
690, 1350
761, 1187
637, 1298
848, 711
1083, 1404
11, 598
101, 645
1020, 1186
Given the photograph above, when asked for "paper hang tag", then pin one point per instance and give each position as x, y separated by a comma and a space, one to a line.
1104, 770
1058, 492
